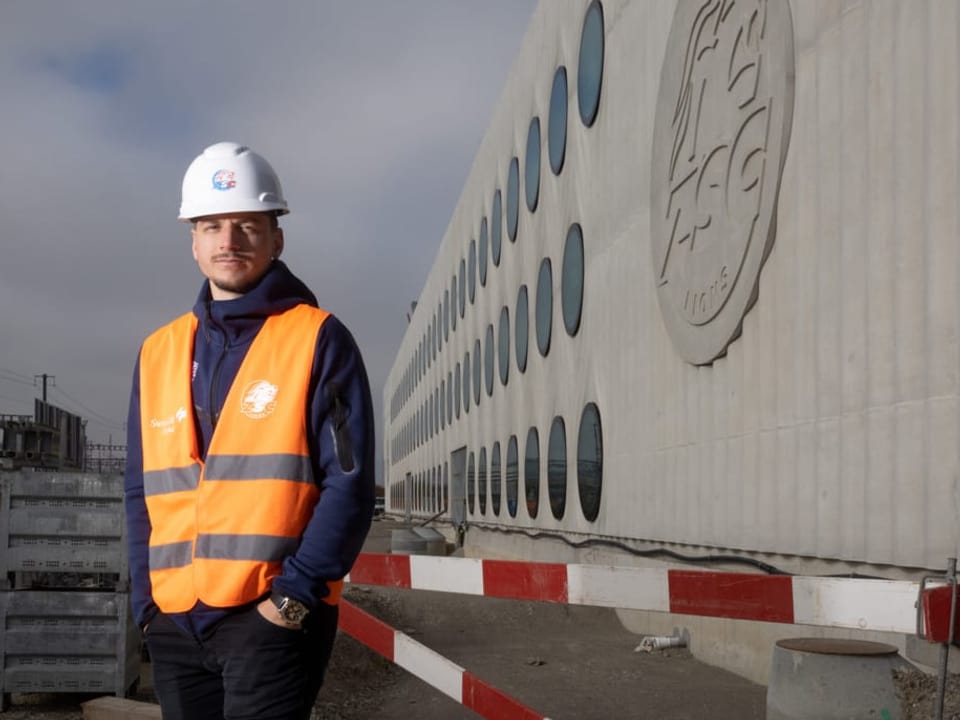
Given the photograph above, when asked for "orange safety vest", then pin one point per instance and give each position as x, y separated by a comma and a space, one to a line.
221, 527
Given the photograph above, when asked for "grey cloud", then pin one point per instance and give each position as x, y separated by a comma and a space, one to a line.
370, 111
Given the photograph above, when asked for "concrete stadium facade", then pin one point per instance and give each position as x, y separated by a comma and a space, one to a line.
753, 291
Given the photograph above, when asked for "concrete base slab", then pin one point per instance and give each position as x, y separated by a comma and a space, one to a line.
830, 679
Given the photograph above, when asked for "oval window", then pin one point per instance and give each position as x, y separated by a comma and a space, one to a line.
571, 280
463, 287
482, 253
488, 360
590, 68
471, 484
472, 271
453, 298
557, 468
590, 462
482, 481
544, 309
531, 472
456, 391
466, 382
513, 199
496, 228
512, 476
557, 130
495, 479
477, 372
521, 326
503, 349
531, 168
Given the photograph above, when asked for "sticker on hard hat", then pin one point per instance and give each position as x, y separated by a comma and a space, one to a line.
224, 180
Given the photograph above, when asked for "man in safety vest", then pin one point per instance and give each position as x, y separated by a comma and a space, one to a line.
250, 485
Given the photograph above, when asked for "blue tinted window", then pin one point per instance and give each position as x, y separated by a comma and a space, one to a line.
463, 287
453, 309
531, 472
496, 228
449, 397
482, 250
482, 481
571, 280
590, 461
512, 475
472, 271
590, 69
446, 314
495, 478
521, 325
456, 391
488, 360
531, 168
466, 381
477, 371
503, 340
471, 483
557, 468
557, 130
513, 199
544, 310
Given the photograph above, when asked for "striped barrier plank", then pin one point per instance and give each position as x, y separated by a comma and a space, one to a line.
881, 605
431, 667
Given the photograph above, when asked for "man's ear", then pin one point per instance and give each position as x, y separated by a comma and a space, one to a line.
277, 243
193, 243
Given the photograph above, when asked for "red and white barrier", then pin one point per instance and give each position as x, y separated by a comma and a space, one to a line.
431, 667
883, 605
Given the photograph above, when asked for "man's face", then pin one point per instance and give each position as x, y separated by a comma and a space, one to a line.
234, 250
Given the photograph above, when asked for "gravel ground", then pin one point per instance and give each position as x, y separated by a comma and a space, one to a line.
918, 695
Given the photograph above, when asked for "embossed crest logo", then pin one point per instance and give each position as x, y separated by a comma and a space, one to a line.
722, 126
259, 399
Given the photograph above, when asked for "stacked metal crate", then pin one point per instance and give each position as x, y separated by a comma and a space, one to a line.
65, 620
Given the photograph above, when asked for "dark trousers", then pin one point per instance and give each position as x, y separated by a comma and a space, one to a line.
247, 669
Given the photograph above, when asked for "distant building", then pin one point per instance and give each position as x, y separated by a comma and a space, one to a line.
51, 438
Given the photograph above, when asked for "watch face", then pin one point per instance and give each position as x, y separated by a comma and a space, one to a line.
293, 611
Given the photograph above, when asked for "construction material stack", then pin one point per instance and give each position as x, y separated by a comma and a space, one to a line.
65, 621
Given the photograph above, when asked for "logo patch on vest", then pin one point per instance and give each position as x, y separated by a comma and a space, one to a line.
168, 424
259, 399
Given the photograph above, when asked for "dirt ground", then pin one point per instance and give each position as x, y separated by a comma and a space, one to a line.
565, 662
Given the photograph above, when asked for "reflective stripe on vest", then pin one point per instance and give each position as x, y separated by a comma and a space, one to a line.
222, 528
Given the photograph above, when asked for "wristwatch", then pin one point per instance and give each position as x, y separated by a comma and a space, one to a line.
289, 609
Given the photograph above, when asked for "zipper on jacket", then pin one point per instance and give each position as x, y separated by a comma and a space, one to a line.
342, 443
214, 411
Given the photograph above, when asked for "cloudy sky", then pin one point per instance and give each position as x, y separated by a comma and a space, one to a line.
371, 112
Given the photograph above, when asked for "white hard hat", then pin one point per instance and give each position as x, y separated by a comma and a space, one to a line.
227, 177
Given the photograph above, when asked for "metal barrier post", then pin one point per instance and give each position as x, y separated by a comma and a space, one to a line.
945, 647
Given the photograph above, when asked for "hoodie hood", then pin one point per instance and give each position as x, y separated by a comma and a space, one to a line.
239, 319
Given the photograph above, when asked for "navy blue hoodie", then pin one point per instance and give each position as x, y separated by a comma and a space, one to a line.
340, 428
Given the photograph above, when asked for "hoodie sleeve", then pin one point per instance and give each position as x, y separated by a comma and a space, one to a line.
341, 428
135, 510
